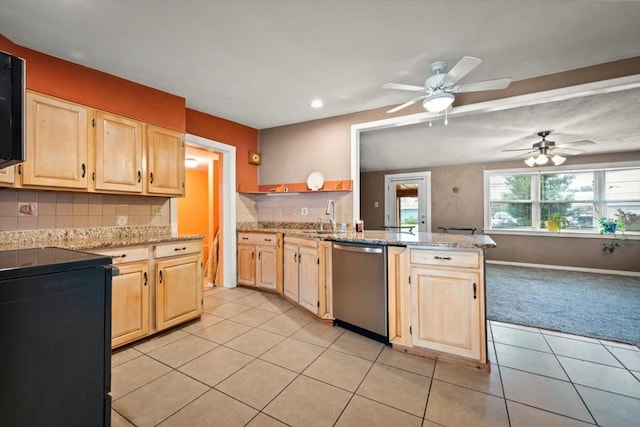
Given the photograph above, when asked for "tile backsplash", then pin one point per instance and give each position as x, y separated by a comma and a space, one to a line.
35, 210
288, 208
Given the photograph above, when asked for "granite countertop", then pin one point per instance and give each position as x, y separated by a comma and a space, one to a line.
389, 238
91, 238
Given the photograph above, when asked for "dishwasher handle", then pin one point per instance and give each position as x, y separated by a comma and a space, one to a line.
362, 249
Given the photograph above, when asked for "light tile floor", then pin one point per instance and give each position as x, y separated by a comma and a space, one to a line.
254, 359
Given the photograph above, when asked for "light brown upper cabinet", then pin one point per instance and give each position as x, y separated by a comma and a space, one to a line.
57, 142
118, 153
165, 161
73, 147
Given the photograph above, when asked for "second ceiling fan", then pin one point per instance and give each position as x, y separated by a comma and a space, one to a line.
440, 87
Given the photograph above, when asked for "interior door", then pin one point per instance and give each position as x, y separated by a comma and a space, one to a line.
408, 201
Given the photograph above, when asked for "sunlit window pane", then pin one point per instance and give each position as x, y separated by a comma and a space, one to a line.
511, 187
510, 215
567, 186
622, 185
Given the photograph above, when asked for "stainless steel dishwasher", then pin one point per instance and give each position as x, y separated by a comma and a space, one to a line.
360, 289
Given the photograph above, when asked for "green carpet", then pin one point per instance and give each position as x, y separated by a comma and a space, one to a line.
594, 305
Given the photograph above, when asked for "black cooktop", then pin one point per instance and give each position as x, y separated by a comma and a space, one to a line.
26, 262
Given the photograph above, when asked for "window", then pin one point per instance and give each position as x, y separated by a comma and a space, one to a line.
519, 200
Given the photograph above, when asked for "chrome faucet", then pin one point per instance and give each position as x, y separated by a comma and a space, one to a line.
332, 214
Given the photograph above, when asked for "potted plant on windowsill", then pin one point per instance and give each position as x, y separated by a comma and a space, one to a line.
556, 222
611, 226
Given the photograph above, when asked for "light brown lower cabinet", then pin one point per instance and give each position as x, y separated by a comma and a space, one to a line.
7, 176
301, 272
130, 303
144, 303
441, 307
260, 260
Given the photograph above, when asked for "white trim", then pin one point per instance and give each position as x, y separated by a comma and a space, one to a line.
563, 267
628, 235
228, 214
599, 87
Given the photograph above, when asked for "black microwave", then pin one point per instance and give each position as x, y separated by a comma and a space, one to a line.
12, 109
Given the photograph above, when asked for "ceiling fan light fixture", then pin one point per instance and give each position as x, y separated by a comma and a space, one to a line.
558, 160
438, 102
531, 161
542, 159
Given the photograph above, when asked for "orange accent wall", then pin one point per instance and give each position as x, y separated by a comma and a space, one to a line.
193, 208
86, 86
244, 138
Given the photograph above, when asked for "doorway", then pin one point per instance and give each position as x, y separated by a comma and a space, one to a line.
408, 202
226, 195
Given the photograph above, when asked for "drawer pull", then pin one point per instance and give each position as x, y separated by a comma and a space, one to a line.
245, 238
445, 258
267, 240
180, 249
120, 256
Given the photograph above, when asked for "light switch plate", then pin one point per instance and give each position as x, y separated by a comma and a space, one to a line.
304, 211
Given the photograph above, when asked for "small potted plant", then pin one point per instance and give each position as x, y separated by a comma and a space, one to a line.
611, 226
556, 222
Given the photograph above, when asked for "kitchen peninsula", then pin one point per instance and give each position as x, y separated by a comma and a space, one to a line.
436, 285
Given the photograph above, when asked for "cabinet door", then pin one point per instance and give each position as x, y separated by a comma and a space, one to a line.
266, 272
130, 304
291, 271
7, 175
178, 290
247, 265
165, 161
308, 278
118, 151
57, 143
446, 311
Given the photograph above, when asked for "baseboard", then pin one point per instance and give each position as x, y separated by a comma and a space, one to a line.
563, 267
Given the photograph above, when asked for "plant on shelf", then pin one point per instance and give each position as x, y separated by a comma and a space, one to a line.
612, 226
556, 222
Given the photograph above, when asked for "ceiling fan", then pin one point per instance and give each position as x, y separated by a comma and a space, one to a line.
545, 150
439, 88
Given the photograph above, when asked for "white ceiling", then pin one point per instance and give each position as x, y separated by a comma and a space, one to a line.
260, 62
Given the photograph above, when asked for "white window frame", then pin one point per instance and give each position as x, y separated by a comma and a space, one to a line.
535, 229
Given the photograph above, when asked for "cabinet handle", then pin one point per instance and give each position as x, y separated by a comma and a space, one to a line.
121, 256
253, 255
299, 259
259, 256
93, 176
295, 257
139, 176
84, 170
19, 169
445, 258
145, 278
160, 276
150, 177
180, 249
474, 290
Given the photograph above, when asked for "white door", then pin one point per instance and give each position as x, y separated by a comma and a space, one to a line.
408, 201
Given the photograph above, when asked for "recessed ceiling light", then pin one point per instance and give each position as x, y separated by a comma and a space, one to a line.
316, 103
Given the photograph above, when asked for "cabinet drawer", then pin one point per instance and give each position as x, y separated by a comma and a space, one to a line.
301, 241
125, 254
262, 239
177, 248
467, 259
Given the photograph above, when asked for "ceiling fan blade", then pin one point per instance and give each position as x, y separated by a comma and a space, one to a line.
483, 85
522, 149
581, 142
406, 104
400, 86
577, 150
461, 69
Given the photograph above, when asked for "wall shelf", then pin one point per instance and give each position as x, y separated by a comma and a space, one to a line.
343, 185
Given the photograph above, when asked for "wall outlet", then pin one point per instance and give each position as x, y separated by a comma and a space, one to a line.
304, 211
121, 220
155, 210
376, 204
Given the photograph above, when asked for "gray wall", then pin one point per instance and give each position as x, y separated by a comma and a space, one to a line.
466, 209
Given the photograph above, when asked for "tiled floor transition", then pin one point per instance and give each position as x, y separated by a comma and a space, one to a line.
254, 359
